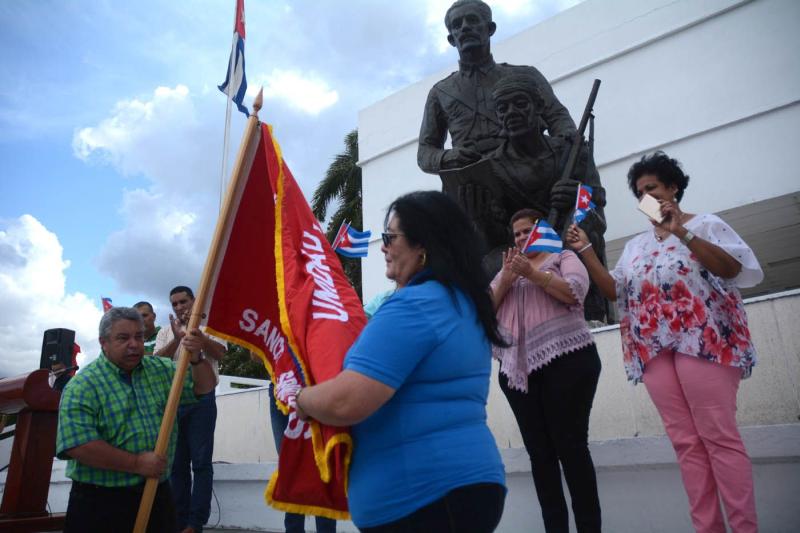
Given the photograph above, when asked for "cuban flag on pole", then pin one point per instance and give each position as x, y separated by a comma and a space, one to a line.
543, 238
350, 242
235, 84
583, 203
106, 303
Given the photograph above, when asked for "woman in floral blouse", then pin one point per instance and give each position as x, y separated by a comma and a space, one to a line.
684, 334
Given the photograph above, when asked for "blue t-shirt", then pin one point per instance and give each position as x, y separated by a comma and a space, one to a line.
431, 436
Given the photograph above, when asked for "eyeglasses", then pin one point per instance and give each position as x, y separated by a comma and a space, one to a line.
389, 237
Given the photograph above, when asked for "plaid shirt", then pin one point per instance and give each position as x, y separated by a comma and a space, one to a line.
102, 402
150, 342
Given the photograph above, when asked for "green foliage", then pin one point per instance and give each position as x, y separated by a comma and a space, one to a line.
237, 362
341, 187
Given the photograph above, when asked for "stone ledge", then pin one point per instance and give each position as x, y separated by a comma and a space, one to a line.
765, 444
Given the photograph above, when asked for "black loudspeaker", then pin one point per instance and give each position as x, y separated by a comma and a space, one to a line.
57, 347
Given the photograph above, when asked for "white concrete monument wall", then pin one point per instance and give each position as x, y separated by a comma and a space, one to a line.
621, 411
714, 83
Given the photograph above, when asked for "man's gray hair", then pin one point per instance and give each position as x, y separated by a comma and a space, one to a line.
482, 7
115, 314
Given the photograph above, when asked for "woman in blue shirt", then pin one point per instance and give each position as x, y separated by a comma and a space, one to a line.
415, 383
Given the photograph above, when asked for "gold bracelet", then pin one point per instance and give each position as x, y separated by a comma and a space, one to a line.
549, 279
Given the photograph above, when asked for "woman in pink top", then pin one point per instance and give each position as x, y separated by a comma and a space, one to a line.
684, 333
549, 372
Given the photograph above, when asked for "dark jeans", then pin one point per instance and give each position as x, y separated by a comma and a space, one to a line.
191, 487
472, 508
96, 509
553, 418
294, 523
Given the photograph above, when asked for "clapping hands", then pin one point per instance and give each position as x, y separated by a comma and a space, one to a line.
515, 264
178, 331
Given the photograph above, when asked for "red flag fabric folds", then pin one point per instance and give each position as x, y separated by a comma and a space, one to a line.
280, 291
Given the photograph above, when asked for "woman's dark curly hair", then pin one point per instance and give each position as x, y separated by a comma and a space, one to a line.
453, 249
665, 169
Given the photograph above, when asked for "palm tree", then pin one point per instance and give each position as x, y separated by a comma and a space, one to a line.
342, 185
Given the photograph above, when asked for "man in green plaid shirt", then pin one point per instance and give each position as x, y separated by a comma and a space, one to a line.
108, 424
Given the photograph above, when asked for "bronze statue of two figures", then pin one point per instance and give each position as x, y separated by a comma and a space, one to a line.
501, 159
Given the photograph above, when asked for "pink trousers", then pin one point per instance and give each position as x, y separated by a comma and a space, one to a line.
697, 403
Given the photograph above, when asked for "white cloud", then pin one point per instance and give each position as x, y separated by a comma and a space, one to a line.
512, 7
434, 22
162, 137
116, 132
33, 298
172, 136
306, 92
511, 17
171, 139
160, 245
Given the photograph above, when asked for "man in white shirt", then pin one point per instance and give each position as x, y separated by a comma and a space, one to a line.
192, 488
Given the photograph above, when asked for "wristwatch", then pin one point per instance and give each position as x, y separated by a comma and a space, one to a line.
687, 238
199, 359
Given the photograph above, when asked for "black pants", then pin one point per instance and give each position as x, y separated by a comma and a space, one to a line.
553, 418
96, 509
469, 509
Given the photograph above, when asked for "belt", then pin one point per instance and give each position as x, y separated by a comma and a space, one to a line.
91, 487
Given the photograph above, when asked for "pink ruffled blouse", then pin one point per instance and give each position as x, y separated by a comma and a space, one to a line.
538, 326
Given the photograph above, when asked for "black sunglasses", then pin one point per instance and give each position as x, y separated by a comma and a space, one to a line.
389, 237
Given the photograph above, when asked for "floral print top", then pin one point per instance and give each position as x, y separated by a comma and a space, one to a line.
668, 300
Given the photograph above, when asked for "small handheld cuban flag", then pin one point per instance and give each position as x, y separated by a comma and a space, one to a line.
106, 303
543, 238
583, 203
235, 84
350, 242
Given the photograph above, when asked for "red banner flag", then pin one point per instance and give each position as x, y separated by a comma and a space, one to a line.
279, 290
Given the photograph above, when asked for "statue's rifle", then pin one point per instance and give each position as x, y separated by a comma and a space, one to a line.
577, 142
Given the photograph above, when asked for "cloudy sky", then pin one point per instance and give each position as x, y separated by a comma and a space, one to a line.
111, 131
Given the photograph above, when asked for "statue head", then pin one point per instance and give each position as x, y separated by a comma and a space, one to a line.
469, 26
518, 104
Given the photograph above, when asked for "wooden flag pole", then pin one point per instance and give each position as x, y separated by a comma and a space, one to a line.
223, 224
